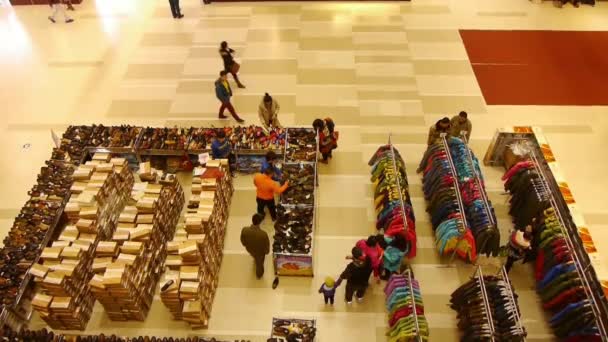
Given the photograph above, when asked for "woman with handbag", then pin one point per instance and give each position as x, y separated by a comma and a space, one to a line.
229, 64
328, 138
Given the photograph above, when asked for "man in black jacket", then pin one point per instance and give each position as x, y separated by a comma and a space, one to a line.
357, 275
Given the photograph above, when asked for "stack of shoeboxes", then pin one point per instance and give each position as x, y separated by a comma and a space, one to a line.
100, 191
129, 266
195, 254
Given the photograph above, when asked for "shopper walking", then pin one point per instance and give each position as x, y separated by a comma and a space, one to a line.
223, 92
328, 137
440, 127
58, 6
328, 289
270, 162
371, 248
461, 125
268, 112
266, 188
356, 275
256, 242
175, 9
230, 65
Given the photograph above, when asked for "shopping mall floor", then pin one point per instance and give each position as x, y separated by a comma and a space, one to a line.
374, 68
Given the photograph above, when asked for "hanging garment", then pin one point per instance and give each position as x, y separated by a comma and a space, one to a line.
403, 298
474, 319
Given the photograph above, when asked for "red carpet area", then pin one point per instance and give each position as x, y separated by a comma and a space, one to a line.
540, 67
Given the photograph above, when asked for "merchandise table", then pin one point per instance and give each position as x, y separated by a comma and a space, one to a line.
576, 239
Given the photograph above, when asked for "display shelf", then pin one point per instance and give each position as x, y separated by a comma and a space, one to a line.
282, 327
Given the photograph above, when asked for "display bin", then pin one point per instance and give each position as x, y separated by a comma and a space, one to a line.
308, 327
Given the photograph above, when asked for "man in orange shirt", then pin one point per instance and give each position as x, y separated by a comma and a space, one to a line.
265, 190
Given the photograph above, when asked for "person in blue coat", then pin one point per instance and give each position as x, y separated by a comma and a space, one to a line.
223, 92
270, 163
221, 148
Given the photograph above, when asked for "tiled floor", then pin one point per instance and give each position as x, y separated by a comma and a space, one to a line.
374, 67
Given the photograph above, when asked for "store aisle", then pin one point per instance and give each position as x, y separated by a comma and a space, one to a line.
374, 68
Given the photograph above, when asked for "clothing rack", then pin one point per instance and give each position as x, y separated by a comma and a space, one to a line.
409, 281
577, 263
482, 190
403, 215
458, 194
505, 278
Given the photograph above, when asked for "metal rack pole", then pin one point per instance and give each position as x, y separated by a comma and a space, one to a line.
396, 172
518, 323
486, 301
482, 189
409, 282
582, 275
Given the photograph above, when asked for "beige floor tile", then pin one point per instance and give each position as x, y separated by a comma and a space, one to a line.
269, 66
388, 95
433, 36
270, 51
160, 55
330, 44
448, 85
167, 39
390, 37
231, 35
391, 121
345, 96
289, 35
326, 59
166, 24
340, 221
344, 115
344, 163
382, 59
405, 82
444, 51
154, 71
381, 47
376, 20
325, 76
145, 92
501, 14
325, 29
208, 68
397, 27
275, 84
424, 9
206, 52
320, 15
385, 69
196, 87
139, 108
452, 104
442, 67
278, 10
216, 23
264, 21
565, 129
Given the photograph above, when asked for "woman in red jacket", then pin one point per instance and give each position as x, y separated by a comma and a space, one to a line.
328, 138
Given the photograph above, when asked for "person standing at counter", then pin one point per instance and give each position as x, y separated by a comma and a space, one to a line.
270, 163
268, 112
221, 148
460, 124
266, 188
